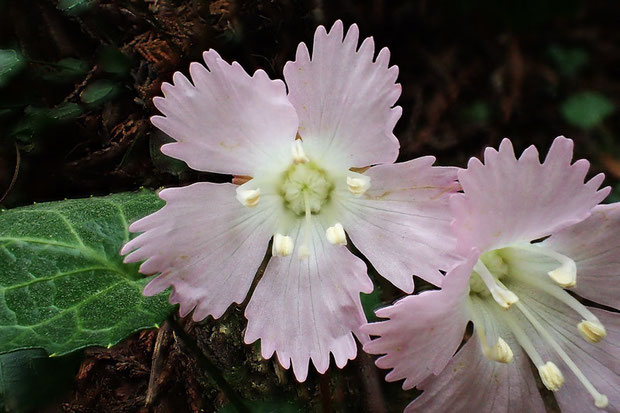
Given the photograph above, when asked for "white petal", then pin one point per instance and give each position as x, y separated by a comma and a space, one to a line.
305, 309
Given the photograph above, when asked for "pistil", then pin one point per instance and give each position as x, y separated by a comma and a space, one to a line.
304, 249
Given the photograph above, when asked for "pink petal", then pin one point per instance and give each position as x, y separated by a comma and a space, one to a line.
402, 223
600, 362
227, 121
344, 99
473, 383
594, 245
423, 331
206, 245
305, 309
507, 200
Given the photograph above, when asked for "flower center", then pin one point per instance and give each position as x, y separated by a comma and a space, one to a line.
305, 183
303, 189
530, 267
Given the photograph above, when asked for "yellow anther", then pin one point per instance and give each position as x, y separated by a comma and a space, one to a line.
358, 184
500, 352
551, 376
335, 235
282, 245
248, 197
593, 331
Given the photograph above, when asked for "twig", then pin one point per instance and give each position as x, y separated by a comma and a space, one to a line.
208, 366
157, 364
18, 160
372, 387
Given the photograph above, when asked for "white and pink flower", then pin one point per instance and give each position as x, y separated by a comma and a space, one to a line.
305, 155
534, 238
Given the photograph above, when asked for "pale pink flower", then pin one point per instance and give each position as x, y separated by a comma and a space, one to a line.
514, 288
210, 239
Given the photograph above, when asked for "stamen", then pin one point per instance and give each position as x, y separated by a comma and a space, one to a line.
501, 294
590, 328
600, 400
551, 376
565, 275
592, 331
522, 338
501, 351
358, 184
299, 156
304, 250
282, 245
336, 235
248, 197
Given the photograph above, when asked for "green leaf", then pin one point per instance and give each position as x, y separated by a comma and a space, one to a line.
99, 92
113, 61
74, 7
586, 109
371, 302
67, 70
30, 378
65, 111
568, 61
63, 285
33, 121
10, 63
615, 195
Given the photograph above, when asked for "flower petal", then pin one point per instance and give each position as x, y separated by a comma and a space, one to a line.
344, 99
227, 121
594, 245
598, 362
303, 309
206, 245
423, 331
506, 200
402, 223
473, 383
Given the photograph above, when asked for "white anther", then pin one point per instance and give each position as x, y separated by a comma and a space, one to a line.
303, 252
358, 184
551, 376
335, 235
565, 275
248, 197
503, 296
593, 331
282, 245
601, 402
299, 156
500, 352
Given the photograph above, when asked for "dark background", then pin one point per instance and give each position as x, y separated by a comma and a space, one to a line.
74, 122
